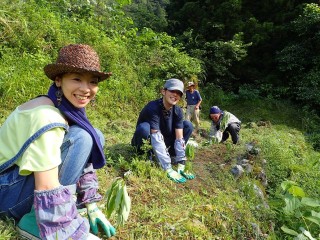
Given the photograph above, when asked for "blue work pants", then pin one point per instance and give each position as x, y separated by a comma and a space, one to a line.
143, 131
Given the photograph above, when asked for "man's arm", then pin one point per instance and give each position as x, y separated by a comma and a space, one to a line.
179, 133
199, 102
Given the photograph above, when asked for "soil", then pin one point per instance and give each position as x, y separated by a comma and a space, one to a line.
217, 155
213, 154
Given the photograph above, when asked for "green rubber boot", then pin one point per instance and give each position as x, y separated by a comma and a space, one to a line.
27, 226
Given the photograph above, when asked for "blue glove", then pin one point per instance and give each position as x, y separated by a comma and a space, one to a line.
174, 176
186, 174
96, 217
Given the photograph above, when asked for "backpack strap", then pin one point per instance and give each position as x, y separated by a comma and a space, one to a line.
36, 135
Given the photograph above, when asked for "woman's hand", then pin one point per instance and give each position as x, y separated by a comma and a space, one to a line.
96, 218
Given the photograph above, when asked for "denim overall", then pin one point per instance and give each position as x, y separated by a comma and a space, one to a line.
16, 191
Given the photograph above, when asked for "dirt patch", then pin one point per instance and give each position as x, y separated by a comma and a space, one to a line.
204, 157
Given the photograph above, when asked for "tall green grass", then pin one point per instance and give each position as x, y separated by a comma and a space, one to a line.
214, 205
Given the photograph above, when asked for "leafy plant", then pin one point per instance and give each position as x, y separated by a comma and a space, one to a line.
146, 146
302, 213
118, 201
190, 151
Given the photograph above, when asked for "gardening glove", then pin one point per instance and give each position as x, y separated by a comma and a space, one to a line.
186, 174
213, 140
174, 176
96, 217
216, 137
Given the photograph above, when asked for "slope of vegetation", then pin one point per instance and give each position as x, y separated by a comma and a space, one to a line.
215, 205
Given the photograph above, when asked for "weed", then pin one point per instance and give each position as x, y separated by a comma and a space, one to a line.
301, 214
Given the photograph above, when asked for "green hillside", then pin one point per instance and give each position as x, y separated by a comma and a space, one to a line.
277, 197
215, 205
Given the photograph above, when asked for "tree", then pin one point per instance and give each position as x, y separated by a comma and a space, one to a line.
262, 25
148, 13
299, 61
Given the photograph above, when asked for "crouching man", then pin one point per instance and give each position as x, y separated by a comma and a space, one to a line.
223, 124
161, 122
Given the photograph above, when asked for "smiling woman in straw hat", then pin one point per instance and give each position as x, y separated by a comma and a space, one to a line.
49, 153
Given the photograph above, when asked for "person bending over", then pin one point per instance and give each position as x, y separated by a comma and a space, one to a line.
223, 124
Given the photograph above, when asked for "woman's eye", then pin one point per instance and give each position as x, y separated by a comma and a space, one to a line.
95, 82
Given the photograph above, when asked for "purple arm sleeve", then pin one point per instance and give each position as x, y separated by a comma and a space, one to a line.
87, 187
57, 215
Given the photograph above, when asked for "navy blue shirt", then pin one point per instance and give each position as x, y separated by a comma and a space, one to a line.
155, 114
193, 98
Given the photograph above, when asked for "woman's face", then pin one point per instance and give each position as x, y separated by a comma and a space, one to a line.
171, 97
78, 88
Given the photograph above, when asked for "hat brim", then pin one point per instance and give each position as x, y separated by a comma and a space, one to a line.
54, 70
174, 88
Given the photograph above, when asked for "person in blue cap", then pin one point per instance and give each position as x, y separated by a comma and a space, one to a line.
161, 122
223, 124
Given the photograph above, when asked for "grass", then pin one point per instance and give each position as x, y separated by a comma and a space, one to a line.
215, 205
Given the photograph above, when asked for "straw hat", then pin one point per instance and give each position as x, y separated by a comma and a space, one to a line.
76, 58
